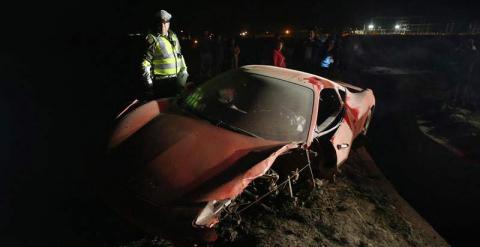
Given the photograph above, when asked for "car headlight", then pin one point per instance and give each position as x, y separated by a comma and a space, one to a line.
208, 217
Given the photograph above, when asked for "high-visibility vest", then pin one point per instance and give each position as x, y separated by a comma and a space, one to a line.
167, 60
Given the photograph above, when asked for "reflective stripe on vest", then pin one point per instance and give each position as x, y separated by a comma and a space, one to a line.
165, 62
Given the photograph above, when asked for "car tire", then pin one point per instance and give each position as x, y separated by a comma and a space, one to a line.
325, 164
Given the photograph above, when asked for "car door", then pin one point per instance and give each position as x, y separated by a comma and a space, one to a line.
342, 141
343, 137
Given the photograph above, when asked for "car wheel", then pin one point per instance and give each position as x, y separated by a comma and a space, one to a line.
325, 164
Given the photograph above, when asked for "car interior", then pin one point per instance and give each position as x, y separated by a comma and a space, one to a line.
329, 108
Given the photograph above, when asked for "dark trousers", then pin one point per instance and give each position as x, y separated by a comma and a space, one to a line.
324, 72
165, 88
309, 66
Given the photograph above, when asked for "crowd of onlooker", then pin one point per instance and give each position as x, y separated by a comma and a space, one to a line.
316, 53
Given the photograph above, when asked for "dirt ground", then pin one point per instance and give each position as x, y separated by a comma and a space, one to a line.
359, 208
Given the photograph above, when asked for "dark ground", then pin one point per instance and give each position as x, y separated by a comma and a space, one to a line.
440, 184
59, 96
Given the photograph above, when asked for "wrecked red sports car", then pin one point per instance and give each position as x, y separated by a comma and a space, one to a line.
176, 164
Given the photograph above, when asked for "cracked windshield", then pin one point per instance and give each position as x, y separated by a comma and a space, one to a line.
254, 105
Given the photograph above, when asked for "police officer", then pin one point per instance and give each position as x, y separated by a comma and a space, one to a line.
164, 69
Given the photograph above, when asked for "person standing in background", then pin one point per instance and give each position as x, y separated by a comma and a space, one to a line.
206, 55
234, 50
219, 54
311, 48
278, 57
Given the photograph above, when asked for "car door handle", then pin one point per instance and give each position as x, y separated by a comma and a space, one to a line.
342, 146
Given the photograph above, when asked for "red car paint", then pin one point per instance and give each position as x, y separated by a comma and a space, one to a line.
173, 159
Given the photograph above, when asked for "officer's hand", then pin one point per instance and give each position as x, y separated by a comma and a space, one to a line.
182, 78
149, 82
147, 77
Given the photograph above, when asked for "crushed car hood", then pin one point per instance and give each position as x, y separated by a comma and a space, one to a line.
174, 158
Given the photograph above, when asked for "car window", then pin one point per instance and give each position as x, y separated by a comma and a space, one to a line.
264, 106
328, 108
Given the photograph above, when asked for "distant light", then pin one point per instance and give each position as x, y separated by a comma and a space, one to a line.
371, 27
287, 31
195, 41
181, 31
397, 27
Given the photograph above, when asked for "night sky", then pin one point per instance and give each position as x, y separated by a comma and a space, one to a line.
130, 16
261, 14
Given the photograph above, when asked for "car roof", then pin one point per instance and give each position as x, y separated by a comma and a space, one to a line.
294, 76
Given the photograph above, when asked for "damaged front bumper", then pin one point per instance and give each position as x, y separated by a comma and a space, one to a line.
210, 214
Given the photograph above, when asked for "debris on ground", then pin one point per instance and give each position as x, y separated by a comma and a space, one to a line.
360, 208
